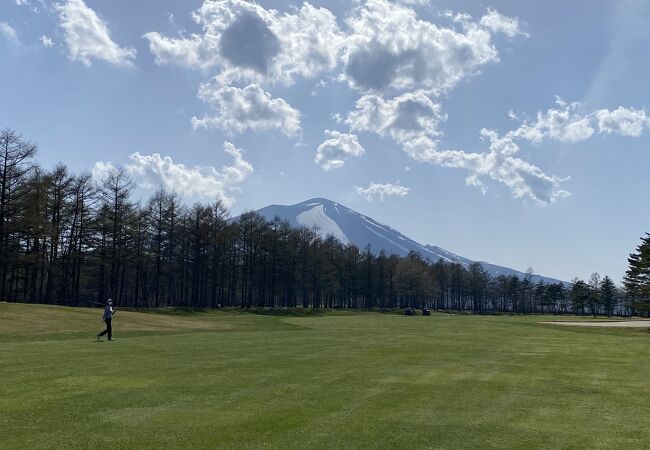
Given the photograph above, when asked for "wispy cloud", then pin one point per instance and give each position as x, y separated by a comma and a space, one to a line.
8, 32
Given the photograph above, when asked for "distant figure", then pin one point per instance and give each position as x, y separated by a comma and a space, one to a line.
108, 318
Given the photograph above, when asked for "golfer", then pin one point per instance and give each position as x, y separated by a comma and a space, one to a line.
108, 318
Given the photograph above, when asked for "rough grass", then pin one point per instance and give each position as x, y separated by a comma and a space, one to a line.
210, 379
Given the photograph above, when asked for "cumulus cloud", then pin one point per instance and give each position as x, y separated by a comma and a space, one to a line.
252, 44
385, 44
248, 45
333, 153
411, 119
185, 52
46, 41
8, 32
390, 47
398, 61
525, 180
382, 190
151, 171
623, 121
569, 123
87, 36
382, 48
250, 108
101, 170
565, 123
498, 23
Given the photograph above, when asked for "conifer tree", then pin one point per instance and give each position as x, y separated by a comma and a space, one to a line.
637, 277
608, 295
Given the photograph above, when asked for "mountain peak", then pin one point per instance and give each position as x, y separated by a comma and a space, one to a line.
350, 227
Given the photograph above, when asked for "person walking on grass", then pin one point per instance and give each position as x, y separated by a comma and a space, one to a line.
108, 318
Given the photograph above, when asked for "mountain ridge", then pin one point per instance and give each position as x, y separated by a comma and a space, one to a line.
350, 226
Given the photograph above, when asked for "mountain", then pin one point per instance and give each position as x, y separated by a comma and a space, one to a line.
349, 226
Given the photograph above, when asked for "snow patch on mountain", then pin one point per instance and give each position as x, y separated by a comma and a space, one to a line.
317, 217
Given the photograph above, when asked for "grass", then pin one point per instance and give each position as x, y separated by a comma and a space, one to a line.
227, 379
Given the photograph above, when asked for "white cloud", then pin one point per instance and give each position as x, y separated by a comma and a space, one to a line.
333, 153
151, 171
31, 5
623, 121
88, 37
35, 6
499, 164
101, 170
252, 44
385, 45
563, 124
8, 32
410, 119
568, 123
185, 52
46, 41
382, 190
390, 48
399, 61
498, 23
251, 108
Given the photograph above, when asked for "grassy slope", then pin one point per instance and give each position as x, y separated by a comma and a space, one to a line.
341, 380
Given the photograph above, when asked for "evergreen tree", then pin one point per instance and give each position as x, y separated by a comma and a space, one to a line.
580, 295
637, 276
608, 295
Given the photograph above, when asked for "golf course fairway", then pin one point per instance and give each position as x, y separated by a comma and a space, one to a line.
333, 379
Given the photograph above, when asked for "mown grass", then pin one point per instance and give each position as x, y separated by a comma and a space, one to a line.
226, 379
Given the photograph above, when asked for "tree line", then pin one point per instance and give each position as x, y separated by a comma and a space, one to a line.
68, 239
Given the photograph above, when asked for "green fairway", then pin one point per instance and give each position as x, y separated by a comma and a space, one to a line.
332, 380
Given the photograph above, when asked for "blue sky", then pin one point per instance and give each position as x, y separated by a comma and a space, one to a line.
507, 131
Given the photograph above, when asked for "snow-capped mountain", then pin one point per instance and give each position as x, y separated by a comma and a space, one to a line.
349, 226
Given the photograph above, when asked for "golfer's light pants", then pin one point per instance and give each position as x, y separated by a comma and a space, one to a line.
109, 329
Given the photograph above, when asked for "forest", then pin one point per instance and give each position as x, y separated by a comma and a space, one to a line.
68, 239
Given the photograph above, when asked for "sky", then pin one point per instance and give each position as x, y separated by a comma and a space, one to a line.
506, 131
